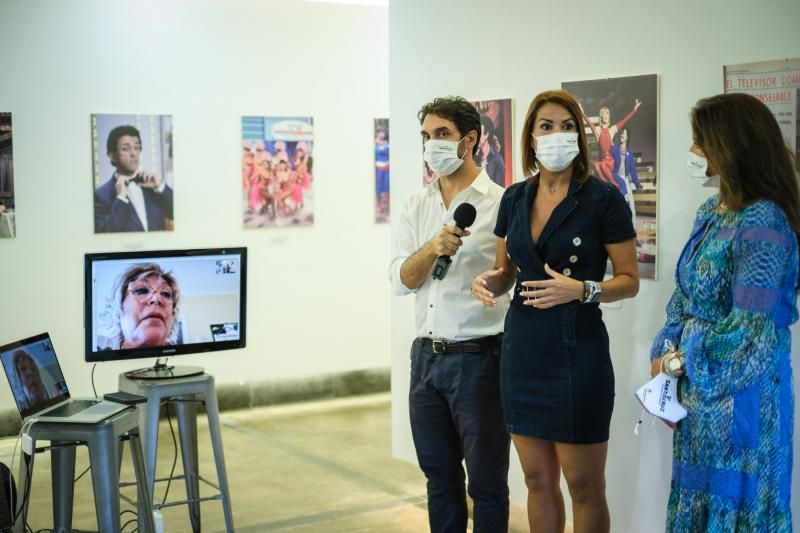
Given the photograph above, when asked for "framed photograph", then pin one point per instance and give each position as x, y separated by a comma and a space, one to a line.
621, 120
382, 170
494, 145
277, 171
8, 228
133, 177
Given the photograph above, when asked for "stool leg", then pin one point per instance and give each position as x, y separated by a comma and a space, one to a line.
62, 475
120, 453
187, 430
144, 499
148, 425
219, 457
24, 467
105, 481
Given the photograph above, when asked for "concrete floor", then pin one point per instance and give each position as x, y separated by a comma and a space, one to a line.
312, 467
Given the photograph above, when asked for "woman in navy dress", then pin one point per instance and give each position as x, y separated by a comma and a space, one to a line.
555, 232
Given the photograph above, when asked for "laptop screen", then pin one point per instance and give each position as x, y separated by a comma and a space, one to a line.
34, 374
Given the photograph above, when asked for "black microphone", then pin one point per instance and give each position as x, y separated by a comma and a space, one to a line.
464, 216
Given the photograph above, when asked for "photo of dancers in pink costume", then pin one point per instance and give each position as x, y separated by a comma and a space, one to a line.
621, 120
277, 171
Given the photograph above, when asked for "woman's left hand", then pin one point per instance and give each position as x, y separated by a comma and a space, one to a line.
547, 293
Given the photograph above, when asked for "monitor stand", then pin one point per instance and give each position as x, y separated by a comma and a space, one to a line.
163, 371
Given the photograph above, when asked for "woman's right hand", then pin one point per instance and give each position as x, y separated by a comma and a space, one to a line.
483, 284
655, 367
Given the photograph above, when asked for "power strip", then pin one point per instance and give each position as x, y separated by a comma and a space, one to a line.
27, 444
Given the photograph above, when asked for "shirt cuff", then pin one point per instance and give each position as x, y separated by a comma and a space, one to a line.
398, 289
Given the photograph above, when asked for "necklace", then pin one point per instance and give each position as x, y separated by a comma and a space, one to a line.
553, 188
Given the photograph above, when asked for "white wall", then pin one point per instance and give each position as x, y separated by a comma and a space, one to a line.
517, 48
318, 298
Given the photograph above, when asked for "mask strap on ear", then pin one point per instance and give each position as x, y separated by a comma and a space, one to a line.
465, 147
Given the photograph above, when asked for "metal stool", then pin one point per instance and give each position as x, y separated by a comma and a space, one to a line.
102, 439
185, 391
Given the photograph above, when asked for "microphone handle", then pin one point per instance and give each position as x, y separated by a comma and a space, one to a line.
443, 263
441, 267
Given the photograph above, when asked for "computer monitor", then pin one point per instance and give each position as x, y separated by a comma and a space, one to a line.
164, 303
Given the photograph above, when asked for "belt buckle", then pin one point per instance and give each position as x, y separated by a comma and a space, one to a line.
439, 347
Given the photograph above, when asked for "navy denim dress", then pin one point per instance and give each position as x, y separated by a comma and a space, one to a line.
556, 378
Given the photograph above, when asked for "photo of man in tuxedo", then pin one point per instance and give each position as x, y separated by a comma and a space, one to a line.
132, 199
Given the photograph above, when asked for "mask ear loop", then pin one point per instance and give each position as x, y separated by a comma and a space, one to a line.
640, 421
465, 147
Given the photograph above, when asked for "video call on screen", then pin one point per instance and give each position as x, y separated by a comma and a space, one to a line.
46, 368
206, 298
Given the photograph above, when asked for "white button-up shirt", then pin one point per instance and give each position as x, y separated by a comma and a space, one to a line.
445, 309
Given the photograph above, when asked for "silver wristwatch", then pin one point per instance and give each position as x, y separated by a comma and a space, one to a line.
591, 292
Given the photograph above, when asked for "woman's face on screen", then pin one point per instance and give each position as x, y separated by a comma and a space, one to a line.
147, 312
31, 379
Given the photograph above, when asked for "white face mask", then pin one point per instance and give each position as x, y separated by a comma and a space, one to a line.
442, 156
556, 151
698, 168
659, 397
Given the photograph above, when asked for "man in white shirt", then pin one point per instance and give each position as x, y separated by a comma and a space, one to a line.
454, 399
132, 200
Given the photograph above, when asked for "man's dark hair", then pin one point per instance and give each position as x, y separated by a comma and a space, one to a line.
458, 110
117, 133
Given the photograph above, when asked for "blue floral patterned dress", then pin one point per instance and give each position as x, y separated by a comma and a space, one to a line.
730, 314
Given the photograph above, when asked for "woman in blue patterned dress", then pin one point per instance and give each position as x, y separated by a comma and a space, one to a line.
729, 318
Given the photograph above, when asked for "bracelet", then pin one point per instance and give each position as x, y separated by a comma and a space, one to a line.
673, 371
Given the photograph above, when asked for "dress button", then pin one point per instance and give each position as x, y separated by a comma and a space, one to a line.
576, 241
573, 259
567, 272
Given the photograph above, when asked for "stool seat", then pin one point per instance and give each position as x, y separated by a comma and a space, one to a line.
103, 441
187, 392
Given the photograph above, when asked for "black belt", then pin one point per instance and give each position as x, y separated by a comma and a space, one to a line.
481, 344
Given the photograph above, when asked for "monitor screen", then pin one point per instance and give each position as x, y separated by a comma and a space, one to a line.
164, 303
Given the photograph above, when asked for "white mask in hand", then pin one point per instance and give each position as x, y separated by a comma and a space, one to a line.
442, 156
659, 397
698, 168
556, 151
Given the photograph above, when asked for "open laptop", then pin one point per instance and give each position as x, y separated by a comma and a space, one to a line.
39, 389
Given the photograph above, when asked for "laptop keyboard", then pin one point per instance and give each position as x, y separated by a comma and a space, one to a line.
72, 407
